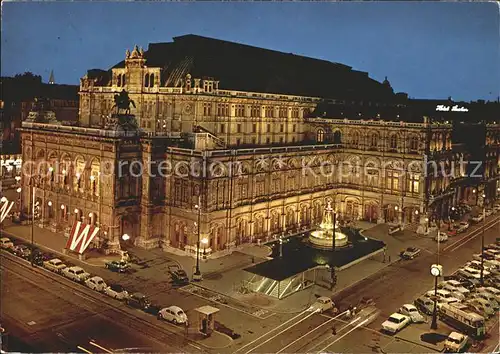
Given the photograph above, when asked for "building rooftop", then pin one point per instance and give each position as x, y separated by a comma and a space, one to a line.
247, 68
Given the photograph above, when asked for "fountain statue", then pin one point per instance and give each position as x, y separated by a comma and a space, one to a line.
323, 237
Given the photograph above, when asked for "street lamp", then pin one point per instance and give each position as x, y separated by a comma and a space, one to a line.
481, 276
125, 237
197, 273
436, 271
426, 225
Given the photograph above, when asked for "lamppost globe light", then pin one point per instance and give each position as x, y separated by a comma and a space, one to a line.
18, 190
3, 199
473, 191
125, 237
204, 240
63, 207
484, 195
396, 207
76, 211
49, 203
426, 219
51, 169
416, 212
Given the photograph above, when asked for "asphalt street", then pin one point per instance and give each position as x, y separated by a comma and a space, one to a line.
55, 315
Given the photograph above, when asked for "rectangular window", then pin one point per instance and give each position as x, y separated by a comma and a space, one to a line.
282, 128
281, 140
269, 128
295, 113
254, 141
222, 128
207, 109
238, 128
293, 128
268, 141
238, 142
254, 128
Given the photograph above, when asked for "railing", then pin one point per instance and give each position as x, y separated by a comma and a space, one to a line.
81, 130
370, 122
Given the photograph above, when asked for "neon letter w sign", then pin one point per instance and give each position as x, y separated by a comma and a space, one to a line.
5, 210
81, 236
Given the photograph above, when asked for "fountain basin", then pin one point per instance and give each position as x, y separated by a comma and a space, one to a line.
324, 239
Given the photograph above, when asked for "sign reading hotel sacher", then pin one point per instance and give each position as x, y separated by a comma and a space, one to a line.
81, 236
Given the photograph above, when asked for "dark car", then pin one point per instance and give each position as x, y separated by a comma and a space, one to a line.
22, 251
139, 301
37, 257
153, 309
117, 266
179, 277
410, 253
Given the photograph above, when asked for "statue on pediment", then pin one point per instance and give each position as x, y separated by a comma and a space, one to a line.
123, 102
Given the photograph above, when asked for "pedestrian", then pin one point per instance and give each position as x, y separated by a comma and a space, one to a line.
334, 330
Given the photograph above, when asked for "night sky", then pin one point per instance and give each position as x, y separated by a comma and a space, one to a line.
429, 50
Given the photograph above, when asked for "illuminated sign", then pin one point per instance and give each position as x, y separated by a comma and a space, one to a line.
5, 209
79, 238
456, 108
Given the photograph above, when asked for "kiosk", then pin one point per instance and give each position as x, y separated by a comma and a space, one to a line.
206, 319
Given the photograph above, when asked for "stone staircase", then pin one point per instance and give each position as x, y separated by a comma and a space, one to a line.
216, 140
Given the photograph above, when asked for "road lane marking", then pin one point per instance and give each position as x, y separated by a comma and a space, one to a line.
468, 237
281, 332
274, 329
312, 330
328, 337
479, 232
195, 346
85, 350
345, 334
100, 347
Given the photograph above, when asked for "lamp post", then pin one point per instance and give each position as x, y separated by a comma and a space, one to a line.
333, 236
125, 237
281, 246
481, 276
197, 273
426, 225
34, 208
475, 194
436, 271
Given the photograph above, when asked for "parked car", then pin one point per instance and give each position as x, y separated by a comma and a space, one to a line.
6, 243
323, 304
116, 291
412, 312
178, 276
393, 229
22, 251
476, 271
488, 297
443, 296
395, 323
424, 304
96, 283
76, 274
482, 306
410, 253
491, 290
138, 300
173, 314
455, 343
54, 265
117, 266
488, 212
457, 290
37, 257
476, 265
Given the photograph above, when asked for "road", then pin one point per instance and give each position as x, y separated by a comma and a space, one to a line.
390, 288
55, 315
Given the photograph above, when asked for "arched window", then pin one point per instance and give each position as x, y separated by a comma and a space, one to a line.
374, 140
393, 142
146, 80
355, 138
123, 80
414, 143
320, 136
337, 137
151, 80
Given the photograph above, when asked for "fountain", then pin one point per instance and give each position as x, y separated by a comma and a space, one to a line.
323, 238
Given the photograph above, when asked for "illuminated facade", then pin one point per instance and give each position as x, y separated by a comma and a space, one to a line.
268, 157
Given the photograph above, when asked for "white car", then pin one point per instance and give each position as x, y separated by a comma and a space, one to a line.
455, 342
323, 304
476, 271
412, 312
481, 305
96, 283
477, 219
457, 289
395, 323
444, 296
76, 274
488, 212
116, 291
463, 226
173, 314
476, 265
55, 265
6, 243
441, 237
488, 297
